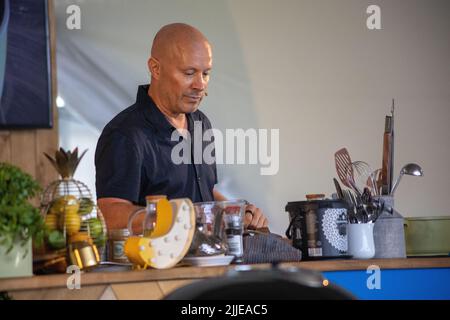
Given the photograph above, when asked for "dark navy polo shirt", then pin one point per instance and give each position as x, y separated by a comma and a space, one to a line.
133, 157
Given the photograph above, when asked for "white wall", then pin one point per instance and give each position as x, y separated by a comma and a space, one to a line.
309, 68
74, 132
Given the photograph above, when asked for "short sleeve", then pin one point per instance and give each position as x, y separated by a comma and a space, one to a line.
118, 166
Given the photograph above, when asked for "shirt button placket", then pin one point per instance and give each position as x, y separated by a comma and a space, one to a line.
199, 181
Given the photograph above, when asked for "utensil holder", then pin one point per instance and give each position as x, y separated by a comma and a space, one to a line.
360, 240
389, 233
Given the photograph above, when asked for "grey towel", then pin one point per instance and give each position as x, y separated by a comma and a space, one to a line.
269, 248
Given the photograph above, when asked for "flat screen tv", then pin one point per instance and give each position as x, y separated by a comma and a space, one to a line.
25, 70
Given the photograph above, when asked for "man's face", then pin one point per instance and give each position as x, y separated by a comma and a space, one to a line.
184, 77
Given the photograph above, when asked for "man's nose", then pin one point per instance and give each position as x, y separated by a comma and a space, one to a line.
199, 82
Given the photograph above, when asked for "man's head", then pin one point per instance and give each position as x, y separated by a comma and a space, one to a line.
180, 63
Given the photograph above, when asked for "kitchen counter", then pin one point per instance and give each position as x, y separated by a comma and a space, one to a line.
104, 283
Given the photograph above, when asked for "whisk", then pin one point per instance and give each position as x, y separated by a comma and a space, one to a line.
375, 181
363, 176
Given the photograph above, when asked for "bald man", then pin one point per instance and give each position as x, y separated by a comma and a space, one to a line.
133, 155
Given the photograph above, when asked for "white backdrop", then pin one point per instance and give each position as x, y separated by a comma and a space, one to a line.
309, 68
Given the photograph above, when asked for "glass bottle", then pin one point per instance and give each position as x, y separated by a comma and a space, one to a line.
234, 227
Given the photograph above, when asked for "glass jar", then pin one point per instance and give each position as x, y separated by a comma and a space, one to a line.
149, 222
116, 242
82, 251
150, 216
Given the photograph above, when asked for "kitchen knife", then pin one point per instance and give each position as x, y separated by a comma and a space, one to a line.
391, 151
386, 173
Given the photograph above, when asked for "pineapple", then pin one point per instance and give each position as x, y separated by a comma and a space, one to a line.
65, 207
68, 206
66, 162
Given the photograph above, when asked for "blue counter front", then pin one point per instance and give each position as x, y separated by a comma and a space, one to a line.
397, 284
380, 279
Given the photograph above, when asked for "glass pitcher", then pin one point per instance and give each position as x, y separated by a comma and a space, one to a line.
209, 237
148, 225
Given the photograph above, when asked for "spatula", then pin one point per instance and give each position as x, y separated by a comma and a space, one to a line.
343, 166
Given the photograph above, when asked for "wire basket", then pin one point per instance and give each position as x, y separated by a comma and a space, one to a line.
68, 209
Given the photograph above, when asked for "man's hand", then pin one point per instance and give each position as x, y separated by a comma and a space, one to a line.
254, 218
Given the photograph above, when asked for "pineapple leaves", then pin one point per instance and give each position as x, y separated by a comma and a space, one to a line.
66, 162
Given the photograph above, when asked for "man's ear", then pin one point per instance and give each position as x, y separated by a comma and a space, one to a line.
154, 67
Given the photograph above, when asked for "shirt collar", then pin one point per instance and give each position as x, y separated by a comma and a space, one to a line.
153, 115
151, 112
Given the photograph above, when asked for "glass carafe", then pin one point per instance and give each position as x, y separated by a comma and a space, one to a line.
148, 224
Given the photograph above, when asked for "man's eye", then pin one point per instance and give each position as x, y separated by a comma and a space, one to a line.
189, 73
206, 74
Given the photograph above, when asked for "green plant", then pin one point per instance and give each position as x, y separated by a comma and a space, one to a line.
5, 296
19, 220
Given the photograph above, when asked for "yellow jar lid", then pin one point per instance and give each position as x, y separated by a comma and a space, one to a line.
80, 237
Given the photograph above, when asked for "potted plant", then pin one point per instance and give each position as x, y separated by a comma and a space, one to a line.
20, 222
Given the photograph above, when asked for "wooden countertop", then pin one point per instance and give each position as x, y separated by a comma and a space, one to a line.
185, 272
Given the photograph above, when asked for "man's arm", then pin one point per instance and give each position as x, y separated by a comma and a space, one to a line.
218, 196
117, 211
